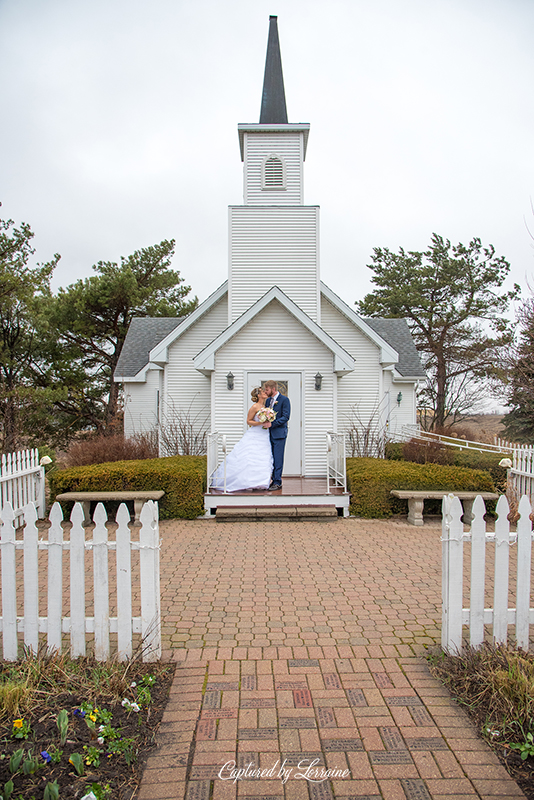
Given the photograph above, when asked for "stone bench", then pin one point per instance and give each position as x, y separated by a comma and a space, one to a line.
416, 501
86, 498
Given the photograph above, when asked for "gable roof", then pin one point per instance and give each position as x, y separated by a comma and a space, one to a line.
148, 338
392, 335
205, 360
397, 332
143, 334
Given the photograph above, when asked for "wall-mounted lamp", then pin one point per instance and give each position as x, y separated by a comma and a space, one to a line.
399, 398
318, 382
230, 381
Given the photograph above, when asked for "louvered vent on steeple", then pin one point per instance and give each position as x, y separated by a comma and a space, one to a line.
273, 173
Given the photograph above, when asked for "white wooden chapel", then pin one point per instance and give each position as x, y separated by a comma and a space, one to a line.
273, 318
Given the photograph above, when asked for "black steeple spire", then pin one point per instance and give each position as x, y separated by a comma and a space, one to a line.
273, 100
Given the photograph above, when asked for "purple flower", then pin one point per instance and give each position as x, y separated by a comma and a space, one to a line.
46, 756
78, 713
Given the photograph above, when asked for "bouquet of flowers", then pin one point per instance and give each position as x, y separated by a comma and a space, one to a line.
266, 415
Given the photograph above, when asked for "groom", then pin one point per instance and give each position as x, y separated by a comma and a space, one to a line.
278, 430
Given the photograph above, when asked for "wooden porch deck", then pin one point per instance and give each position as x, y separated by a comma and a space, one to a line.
296, 491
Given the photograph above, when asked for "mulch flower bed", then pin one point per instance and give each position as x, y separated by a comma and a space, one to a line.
495, 686
78, 729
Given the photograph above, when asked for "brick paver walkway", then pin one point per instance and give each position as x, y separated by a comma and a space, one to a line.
298, 649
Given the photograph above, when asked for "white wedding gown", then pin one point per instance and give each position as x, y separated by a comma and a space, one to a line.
250, 464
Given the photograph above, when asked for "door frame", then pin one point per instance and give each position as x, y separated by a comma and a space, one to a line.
295, 432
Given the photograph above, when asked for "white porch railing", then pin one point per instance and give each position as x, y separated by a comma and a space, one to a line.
22, 481
408, 432
336, 462
216, 453
476, 617
101, 624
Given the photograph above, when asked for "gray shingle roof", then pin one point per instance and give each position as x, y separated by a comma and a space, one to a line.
397, 333
143, 334
273, 99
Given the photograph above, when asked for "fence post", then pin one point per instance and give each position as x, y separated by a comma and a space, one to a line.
31, 579
524, 550
478, 574
124, 584
502, 551
55, 579
101, 583
77, 582
150, 582
9, 585
452, 574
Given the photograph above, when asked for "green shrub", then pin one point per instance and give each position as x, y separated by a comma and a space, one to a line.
371, 479
182, 478
467, 457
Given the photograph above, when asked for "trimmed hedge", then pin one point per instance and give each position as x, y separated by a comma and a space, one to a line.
468, 457
182, 478
371, 479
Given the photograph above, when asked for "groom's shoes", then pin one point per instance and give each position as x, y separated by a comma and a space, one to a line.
274, 486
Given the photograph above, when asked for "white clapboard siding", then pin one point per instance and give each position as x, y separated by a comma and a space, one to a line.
359, 392
274, 246
141, 403
78, 624
185, 388
289, 148
275, 342
403, 414
477, 617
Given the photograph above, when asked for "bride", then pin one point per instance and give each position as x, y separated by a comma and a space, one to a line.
250, 464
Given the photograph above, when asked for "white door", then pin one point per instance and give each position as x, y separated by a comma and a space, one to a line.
289, 384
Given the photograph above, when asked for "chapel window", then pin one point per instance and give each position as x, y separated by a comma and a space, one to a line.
273, 173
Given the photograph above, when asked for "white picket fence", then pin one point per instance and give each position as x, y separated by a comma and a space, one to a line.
101, 624
477, 616
22, 480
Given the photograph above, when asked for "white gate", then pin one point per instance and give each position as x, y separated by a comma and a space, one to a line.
476, 617
100, 624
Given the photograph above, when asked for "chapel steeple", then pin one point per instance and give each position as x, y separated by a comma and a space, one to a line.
273, 99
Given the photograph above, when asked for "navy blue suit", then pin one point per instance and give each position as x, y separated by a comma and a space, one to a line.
278, 433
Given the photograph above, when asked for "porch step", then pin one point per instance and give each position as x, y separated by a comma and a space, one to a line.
294, 513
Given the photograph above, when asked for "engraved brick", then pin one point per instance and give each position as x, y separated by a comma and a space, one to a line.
392, 738
294, 759
248, 683
285, 685
320, 791
382, 680
390, 757
207, 773
326, 718
206, 729
415, 789
219, 713
258, 733
302, 698
421, 716
427, 743
331, 680
303, 662
356, 698
346, 745
254, 702
251, 760
198, 790
410, 700
297, 722
220, 686
212, 700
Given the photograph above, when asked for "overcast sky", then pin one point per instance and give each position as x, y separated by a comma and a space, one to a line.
119, 126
